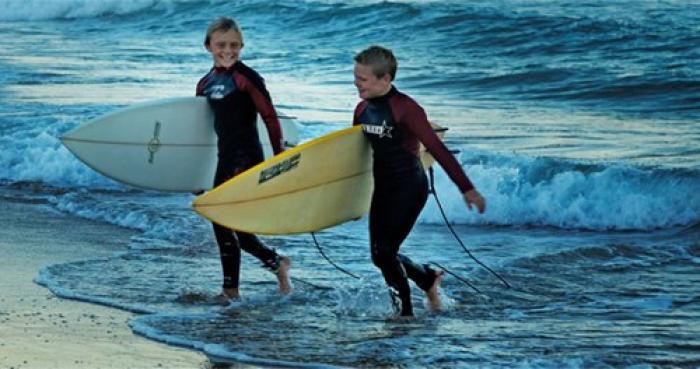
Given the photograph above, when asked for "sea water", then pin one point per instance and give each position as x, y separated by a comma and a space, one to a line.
578, 121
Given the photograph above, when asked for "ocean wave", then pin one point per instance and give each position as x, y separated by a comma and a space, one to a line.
569, 195
160, 216
521, 191
20, 10
40, 157
526, 50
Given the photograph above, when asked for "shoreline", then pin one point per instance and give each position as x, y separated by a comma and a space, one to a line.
39, 329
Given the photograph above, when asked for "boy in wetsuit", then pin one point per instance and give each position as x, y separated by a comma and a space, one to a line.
395, 125
237, 93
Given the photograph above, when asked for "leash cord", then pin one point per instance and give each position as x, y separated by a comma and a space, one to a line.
447, 223
320, 250
459, 278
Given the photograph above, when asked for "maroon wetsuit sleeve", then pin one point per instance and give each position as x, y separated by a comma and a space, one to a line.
416, 121
266, 110
358, 111
200, 87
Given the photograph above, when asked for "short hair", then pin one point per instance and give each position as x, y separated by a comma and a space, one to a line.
222, 24
380, 59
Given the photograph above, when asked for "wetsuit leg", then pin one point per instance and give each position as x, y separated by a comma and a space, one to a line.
230, 245
230, 254
393, 213
229, 248
423, 275
252, 245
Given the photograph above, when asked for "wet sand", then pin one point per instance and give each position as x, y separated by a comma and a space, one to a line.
40, 330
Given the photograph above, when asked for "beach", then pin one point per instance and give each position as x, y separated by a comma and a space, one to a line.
40, 330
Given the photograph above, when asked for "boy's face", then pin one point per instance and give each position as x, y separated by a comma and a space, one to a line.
225, 48
368, 85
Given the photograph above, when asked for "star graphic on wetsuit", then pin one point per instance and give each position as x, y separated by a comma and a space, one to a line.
386, 130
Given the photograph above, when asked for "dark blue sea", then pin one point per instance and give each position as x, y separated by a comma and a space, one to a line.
579, 121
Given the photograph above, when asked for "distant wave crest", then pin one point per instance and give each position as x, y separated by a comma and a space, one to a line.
556, 193
19, 10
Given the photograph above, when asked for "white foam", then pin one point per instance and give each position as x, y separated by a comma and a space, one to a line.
216, 352
39, 156
45, 278
611, 197
18, 10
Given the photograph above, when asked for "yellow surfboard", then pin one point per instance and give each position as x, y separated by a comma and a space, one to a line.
316, 185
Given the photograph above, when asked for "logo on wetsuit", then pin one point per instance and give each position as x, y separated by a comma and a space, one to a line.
217, 92
279, 168
382, 131
218, 86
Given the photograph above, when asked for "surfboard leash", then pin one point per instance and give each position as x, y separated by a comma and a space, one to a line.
447, 223
463, 280
320, 250
314, 285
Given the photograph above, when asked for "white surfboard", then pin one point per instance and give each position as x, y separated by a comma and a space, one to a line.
167, 145
316, 185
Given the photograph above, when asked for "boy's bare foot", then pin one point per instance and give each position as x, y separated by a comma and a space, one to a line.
231, 293
228, 294
434, 303
285, 283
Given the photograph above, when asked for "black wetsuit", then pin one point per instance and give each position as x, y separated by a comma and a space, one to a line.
395, 125
237, 95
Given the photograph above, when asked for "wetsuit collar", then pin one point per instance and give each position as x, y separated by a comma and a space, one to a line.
225, 69
392, 91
